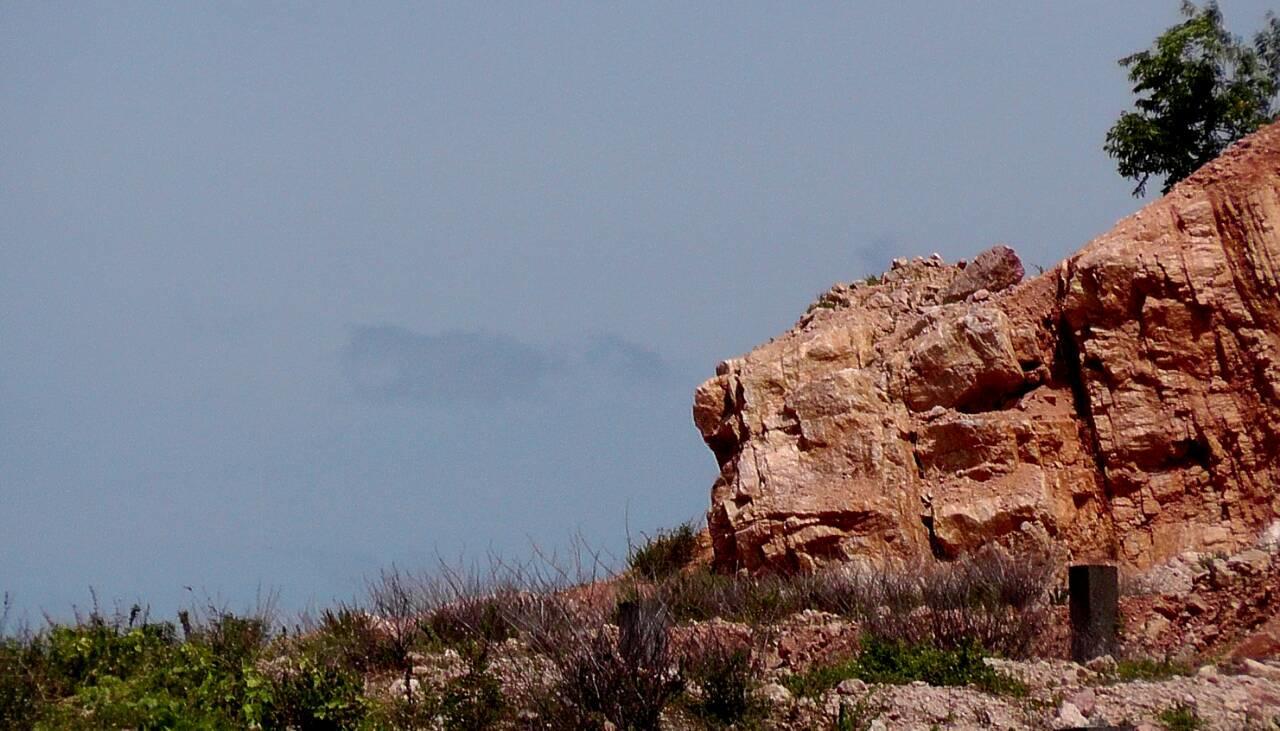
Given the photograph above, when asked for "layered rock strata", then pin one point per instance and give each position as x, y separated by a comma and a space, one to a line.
1122, 406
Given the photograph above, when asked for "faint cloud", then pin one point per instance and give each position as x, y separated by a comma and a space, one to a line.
625, 359
877, 250
389, 363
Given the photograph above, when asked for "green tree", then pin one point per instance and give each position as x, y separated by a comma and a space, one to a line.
1199, 89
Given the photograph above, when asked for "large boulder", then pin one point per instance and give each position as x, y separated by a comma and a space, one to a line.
1123, 406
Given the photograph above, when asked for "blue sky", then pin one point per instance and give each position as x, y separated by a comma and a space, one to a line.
290, 292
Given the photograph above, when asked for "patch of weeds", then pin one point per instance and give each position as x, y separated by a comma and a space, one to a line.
1181, 717
857, 716
469, 619
396, 713
116, 673
896, 662
665, 553
20, 678
817, 680
354, 640
702, 595
871, 279
725, 676
1130, 669
473, 701
306, 692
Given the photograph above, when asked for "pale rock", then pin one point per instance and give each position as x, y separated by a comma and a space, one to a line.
1196, 604
1069, 716
397, 687
1269, 540
775, 694
851, 686
1085, 700
1155, 627
995, 269
1102, 665
1251, 561
1260, 669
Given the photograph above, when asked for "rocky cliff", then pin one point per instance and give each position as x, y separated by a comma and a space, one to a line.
1121, 406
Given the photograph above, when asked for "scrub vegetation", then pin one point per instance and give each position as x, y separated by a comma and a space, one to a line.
518, 647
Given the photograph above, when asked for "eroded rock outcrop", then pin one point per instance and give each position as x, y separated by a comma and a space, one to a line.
1122, 406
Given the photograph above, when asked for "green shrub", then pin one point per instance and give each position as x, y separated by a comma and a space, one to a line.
1130, 669
470, 619
625, 674
665, 553
307, 693
139, 678
817, 680
472, 701
351, 639
882, 661
896, 662
22, 677
1181, 718
725, 675
84, 654
701, 595
232, 640
858, 715
990, 599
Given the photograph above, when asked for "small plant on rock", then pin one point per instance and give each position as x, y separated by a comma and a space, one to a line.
1130, 669
665, 553
724, 673
473, 701
897, 662
1181, 717
857, 716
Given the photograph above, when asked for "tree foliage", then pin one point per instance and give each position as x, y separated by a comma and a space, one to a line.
1199, 89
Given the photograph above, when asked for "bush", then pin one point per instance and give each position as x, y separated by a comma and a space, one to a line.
128, 672
665, 553
101, 674
990, 599
625, 674
475, 618
1130, 669
896, 662
859, 715
473, 701
889, 661
1181, 718
231, 639
20, 674
305, 692
701, 595
725, 675
352, 639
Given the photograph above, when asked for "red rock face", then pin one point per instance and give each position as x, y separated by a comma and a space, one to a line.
1122, 406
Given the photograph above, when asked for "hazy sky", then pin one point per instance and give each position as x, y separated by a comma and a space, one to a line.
290, 292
